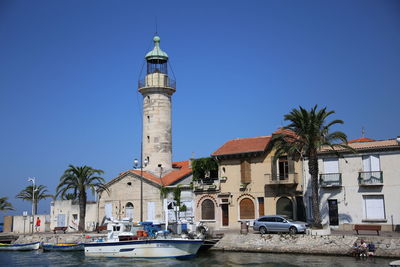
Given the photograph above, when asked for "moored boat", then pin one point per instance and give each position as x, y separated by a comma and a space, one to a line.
62, 247
127, 240
147, 248
20, 247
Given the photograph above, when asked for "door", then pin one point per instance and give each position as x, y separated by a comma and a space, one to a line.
284, 206
225, 214
129, 210
333, 212
151, 210
61, 220
260, 206
108, 209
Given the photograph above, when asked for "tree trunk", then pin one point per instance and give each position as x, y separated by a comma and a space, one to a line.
313, 170
82, 211
35, 206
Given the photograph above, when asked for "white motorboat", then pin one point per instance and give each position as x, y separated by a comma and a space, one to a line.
20, 247
125, 239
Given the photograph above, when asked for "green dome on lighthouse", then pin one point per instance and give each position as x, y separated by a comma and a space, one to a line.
156, 53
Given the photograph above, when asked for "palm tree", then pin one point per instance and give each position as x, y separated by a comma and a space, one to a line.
5, 205
79, 180
306, 133
41, 192
69, 196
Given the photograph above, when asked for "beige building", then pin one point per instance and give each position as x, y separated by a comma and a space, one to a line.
250, 184
361, 187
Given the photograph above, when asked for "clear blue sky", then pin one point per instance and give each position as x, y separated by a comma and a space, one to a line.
69, 71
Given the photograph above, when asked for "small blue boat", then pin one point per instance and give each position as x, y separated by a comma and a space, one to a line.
62, 247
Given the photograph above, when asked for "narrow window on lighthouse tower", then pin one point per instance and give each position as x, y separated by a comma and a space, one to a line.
148, 118
148, 139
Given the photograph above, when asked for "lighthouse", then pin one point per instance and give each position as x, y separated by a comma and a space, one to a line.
157, 89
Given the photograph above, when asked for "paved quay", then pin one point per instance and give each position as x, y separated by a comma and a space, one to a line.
338, 243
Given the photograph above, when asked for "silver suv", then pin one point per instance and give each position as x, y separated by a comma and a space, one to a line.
278, 223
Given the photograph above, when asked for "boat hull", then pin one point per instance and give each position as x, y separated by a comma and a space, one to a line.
62, 247
152, 248
20, 247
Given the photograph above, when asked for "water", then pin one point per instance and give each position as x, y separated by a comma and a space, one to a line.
209, 259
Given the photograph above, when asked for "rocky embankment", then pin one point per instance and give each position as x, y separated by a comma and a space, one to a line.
306, 244
57, 238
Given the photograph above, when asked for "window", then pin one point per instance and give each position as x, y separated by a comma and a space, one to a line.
279, 219
148, 139
207, 210
331, 165
245, 172
374, 207
371, 163
283, 168
246, 209
148, 119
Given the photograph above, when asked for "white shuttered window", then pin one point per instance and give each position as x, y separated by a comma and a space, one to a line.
331, 165
374, 207
371, 163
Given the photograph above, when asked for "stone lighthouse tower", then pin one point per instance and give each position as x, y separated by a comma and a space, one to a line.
157, 89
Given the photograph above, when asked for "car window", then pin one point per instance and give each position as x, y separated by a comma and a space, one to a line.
266, 219
279, 219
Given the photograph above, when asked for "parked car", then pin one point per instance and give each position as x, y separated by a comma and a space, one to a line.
278, 223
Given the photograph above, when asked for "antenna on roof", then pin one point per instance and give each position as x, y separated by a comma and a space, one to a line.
362, 132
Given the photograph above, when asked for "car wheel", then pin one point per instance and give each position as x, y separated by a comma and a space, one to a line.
292, 230
263, 230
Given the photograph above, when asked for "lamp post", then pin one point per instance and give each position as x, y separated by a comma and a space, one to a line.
33, 200
136, 163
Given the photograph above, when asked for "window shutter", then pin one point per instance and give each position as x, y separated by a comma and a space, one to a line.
273, 169
366, 163
291, 165
245, 172
375, 166
246, 209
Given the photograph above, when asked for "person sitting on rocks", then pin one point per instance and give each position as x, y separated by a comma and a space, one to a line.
355, 250
371, 249
363, 249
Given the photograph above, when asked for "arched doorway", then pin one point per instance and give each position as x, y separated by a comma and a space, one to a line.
247, 210
129, 210
284, 206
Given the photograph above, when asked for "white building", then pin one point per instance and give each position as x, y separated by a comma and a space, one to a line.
65, 213
361, 187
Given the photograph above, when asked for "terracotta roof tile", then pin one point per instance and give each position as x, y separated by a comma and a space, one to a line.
181, 169
368, 145
362, 139
243, 145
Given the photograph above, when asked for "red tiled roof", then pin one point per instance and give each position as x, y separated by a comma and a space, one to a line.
179, 171
243, 145
362, 139
369, 145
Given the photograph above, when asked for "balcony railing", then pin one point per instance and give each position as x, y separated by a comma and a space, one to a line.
205, 185
290, 178
370, 178
330, 179
157, 81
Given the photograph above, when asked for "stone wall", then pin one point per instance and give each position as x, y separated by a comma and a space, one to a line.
306, 244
